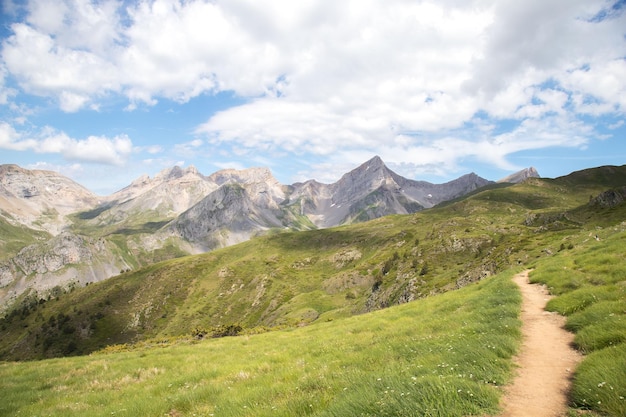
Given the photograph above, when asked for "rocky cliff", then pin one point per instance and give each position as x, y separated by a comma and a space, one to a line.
64, 259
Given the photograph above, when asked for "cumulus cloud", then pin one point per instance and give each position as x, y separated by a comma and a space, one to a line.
5, 92
10, 139
98, 149
403, 79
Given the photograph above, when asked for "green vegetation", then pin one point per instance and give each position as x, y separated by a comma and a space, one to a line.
445, 355
13, 238
402, 315
591, 283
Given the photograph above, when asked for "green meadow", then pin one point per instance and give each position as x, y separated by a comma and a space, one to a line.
401, 316
447, 355
590, 281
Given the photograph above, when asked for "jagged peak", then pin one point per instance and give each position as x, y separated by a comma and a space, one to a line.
176, 172
191, 169
4, 168
248, 175
520, 176
16, 169
143, 179
170, 173
373, 164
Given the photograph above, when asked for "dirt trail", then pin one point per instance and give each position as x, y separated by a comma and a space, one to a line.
546, 360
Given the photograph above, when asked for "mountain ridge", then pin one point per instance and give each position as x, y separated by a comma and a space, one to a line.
181, 211
292, 279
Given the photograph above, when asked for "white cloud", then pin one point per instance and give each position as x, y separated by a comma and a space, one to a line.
154, 149
45, 68
111, 151
5, 92
98, 149
403, 79
10, 139
188, 149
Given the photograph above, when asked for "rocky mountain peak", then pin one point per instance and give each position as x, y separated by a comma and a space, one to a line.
26, 194
144, 183
521, 176
244, 176
370, 175
170, 173
192, 170
374, 166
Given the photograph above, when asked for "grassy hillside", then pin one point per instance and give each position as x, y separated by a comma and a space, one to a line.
297, 278
13, 238
445, 355
590, 281
442, 354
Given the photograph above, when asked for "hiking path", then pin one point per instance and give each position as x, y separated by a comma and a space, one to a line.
546, 360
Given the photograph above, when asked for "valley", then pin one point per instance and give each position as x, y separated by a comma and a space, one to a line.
405, 314
176, 213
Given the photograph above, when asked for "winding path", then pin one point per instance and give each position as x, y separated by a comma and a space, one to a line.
546, 360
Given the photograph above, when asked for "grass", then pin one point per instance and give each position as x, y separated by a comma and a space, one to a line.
13, 238
591, 283
441, 356
287, 279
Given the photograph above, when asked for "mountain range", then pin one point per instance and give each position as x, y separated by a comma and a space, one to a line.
57, 233
289, 279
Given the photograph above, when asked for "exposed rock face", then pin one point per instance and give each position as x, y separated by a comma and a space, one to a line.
521, 176
610, 198
169, 193
40, 199
245, 203
198, 213
372, 190
63, 259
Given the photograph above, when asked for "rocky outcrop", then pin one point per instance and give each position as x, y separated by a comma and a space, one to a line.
66, 258
609, 199
246, 203
168, 194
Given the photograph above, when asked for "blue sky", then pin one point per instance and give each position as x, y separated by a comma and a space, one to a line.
105, 91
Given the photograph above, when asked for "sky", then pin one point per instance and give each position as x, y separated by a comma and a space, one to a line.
105, 91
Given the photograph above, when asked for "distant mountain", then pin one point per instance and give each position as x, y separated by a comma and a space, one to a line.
40, 199
372, 190
292, 279
168, 194
521, 176
252, 201
245, 203
180, 211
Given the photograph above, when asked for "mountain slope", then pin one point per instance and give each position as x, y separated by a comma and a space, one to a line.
520, 176
372, 190
40, 199
181, 211
168, 194
313, 276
